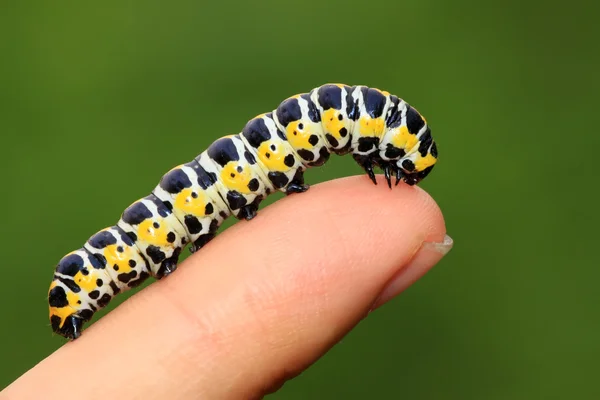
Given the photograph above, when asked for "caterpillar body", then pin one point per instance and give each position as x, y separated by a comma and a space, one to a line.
232, 177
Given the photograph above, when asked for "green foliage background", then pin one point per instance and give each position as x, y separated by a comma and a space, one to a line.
99, 99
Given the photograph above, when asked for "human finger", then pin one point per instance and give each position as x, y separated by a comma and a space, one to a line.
258, 304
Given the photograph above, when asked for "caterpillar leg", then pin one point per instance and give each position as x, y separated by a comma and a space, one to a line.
367, 164
387, 171
399, 175
296, 188
297, 184
168, 267
248, 212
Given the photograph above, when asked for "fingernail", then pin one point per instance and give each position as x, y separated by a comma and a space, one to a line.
428, 255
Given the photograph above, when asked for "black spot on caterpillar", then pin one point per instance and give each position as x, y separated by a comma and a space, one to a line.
232, 177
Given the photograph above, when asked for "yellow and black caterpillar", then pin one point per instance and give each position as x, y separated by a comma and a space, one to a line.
232, 177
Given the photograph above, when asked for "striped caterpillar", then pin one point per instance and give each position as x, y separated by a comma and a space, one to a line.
231, 178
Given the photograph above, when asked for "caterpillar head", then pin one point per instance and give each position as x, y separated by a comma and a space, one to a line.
78, 289
66, 312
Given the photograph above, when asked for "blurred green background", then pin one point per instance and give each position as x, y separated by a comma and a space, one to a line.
98, 100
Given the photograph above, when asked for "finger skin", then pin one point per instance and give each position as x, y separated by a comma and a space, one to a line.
257, 305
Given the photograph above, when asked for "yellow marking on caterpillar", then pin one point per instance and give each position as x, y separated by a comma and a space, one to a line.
371, 127
86, 282
64, 312
235, 180
297, 137
423, 162
403, 139
156, 236
121, 259
72, 298
273, 160
190, 205
332, 124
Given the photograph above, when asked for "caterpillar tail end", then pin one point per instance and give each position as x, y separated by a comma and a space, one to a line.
414, 178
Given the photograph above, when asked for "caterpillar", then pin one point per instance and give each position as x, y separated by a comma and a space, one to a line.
232, 177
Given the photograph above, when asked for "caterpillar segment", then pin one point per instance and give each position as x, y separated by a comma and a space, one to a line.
232, 177
80, 287
190, 192
276, 157
299, 121
119, 257
157, 233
